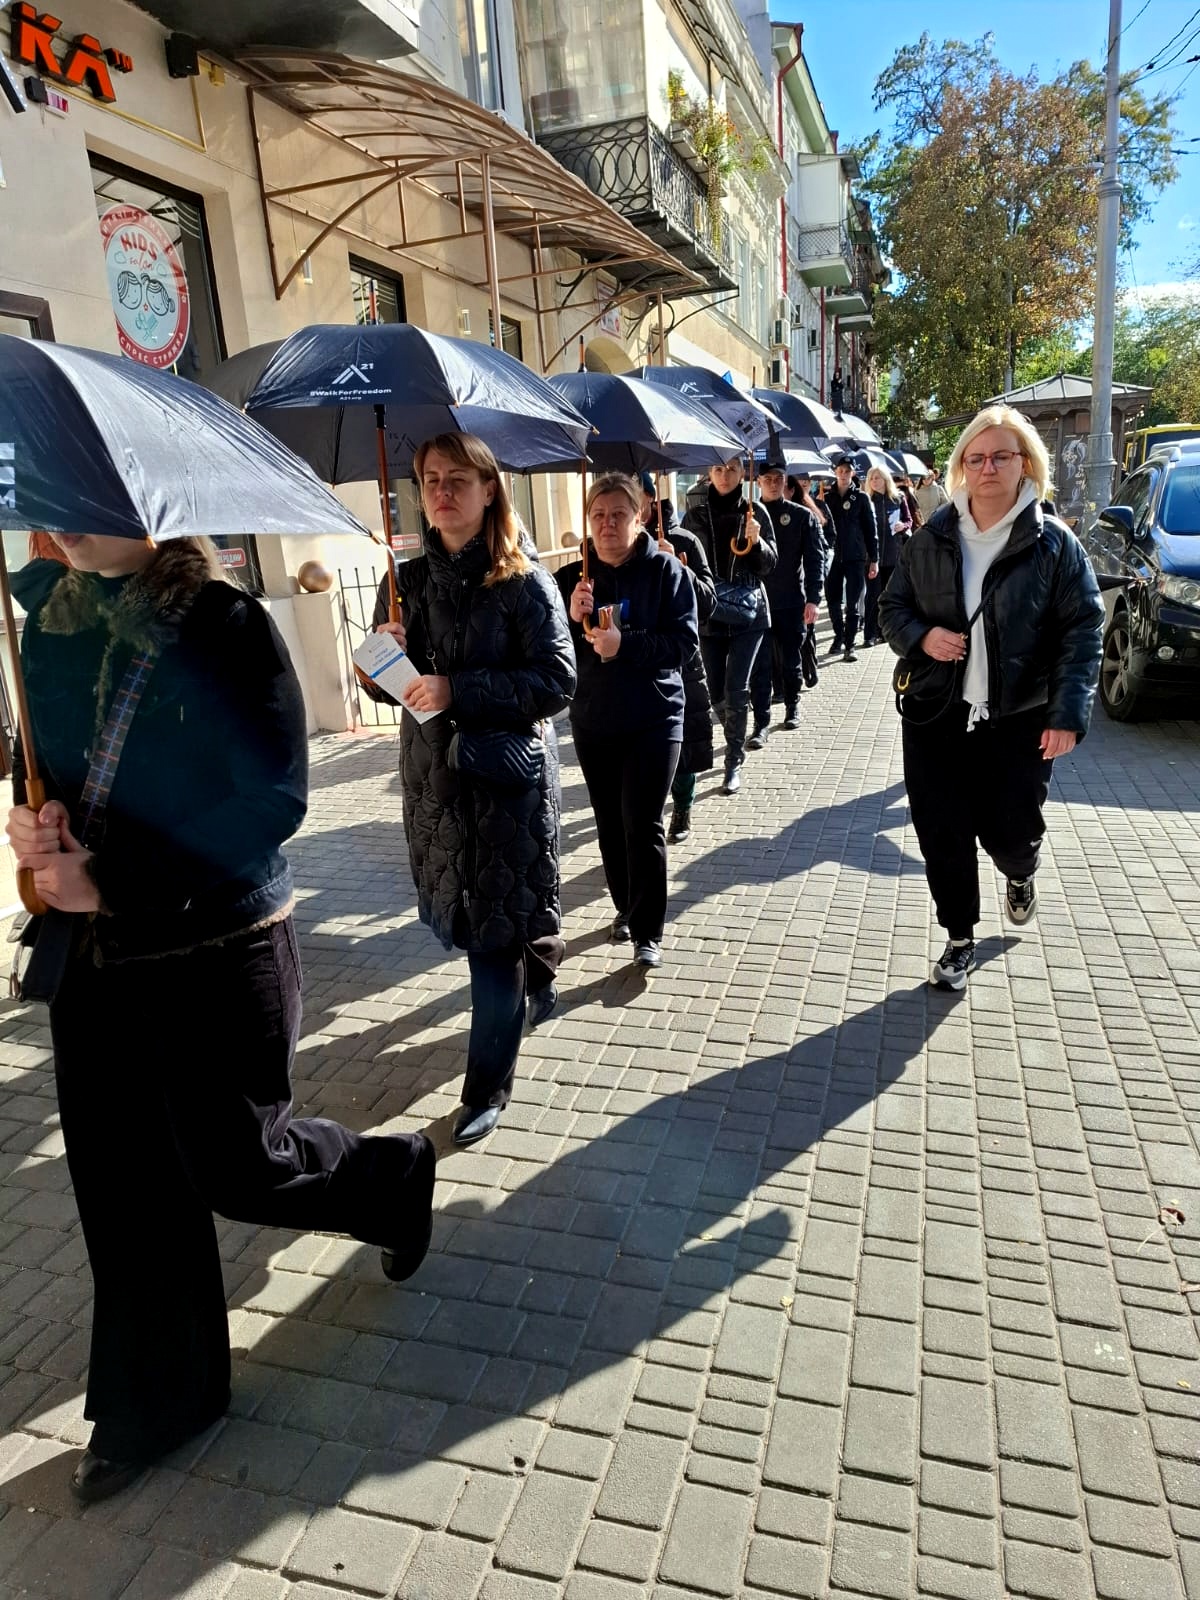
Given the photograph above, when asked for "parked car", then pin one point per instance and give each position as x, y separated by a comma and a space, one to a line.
1145, 549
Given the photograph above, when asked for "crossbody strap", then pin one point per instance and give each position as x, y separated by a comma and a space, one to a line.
105, 757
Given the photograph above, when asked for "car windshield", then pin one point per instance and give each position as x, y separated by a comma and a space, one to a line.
1180, 511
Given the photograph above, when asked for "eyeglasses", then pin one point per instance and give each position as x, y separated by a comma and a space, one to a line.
999, 459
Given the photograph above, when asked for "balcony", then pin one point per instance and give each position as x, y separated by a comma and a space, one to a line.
631, 165
825, 257
853, 302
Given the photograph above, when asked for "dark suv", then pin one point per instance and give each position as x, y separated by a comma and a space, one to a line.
1145, 548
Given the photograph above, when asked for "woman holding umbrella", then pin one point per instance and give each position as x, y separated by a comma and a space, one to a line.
176, 1019
628, 716
485, 626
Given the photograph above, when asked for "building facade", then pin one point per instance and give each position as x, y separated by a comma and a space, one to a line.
568, 176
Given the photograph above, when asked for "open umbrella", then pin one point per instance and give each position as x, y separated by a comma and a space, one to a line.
810, 461
99, 444
852, 427
743, 413
864, 458
806, 423
645, 427
356, 402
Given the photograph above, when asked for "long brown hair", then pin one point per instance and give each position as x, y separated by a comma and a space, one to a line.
43, 548
500, 526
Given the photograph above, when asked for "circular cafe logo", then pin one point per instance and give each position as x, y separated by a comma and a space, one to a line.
148, 286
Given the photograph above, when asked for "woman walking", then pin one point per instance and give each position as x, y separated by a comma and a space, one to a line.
995, 611
633, 620
740, 552
485, 626
172, 740
893, 525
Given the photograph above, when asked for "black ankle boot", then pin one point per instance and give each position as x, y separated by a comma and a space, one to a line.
681, 824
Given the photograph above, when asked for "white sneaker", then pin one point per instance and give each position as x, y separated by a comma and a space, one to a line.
1020, 900
950, 971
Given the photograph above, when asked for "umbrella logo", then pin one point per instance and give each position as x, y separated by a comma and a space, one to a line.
148, 286
352, 372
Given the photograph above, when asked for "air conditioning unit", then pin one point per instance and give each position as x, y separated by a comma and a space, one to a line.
780, 334
814, 339
778, 373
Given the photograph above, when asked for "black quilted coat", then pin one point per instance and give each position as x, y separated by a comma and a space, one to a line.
484, 858
1042, 613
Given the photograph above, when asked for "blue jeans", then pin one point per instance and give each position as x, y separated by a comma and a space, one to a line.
728, 666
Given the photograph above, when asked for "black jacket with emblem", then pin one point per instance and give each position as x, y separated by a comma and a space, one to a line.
799, 574
1043, 615
852, 526
213, 776
484, 858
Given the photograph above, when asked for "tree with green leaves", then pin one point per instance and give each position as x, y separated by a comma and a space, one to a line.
984, 197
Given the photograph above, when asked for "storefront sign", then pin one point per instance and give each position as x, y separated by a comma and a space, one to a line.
148, 286
83, 63
232, 558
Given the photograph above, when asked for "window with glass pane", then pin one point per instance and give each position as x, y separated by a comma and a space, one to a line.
477, 33
522, 490
583, 61
376, 297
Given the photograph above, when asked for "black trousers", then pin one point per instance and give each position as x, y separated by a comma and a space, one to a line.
990, 786
628, 778
174, 1084
852, 577
500, 980
875, 587
777, 665
729, 666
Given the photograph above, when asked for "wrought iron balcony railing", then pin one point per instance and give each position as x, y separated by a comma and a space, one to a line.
631, 165
810, 244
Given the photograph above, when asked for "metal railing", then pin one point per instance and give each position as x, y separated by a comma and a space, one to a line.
632, 165
810, 243
359, 588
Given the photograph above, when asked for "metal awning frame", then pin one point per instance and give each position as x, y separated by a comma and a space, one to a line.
410, 134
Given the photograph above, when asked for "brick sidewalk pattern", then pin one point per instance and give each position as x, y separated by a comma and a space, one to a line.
785, 1275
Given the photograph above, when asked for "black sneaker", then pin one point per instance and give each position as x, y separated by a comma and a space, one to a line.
1020, 900
648, 954
619, 933
835, 649
848, 653
758, 739
950, 972
681, 824
791, 720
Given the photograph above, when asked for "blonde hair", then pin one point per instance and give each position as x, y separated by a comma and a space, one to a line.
616, 483
1037, 462
500, 526
889, 483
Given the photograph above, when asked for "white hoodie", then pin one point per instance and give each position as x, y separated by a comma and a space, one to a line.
979, 551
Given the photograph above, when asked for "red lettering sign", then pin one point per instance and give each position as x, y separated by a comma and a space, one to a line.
86, 63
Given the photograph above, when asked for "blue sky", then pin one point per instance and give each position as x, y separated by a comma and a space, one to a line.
848, 43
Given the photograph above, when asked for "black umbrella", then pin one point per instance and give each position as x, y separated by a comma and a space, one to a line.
356, 402
99, 444
753, 423
645, 427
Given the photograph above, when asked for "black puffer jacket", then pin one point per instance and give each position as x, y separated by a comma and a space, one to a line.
1043, 616
484, 859
697, 752
716, 520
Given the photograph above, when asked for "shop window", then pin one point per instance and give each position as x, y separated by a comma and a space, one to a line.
376, 297
159, 268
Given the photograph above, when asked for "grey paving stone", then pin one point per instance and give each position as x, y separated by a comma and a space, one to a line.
1032, 1569
956, 1423
889, 1289
780, 1567
640, 1484
1115, 1456
967, 1541
885, 1355
407, 1487
445, 1568
547, 1525
750, 1342
707, 1540
354, 1551
873, 1561
802, 1448
814, 1364
1036, 1527
621, 1551
1122, 1575
1132, 1527
795, 1516
880, 1504
881, 1435
1032, 1423
958, 1489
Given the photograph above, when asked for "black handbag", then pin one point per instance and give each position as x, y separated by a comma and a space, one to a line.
496, 756
737, 603
809, 669
925, 689
45, 945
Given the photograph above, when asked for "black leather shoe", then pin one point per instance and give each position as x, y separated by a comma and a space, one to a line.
95, 1478
792, 720
619, 932
758, 739
733, 781
848, 654
402, 1260
835, 649
540, 1004
475, 1123
648, 954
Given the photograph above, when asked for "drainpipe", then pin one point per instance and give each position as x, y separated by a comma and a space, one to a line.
798, 32
823, 400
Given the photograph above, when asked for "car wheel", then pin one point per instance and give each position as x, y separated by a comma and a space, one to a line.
1120, 693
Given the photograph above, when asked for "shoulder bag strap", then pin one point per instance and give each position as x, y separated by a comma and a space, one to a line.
105, 757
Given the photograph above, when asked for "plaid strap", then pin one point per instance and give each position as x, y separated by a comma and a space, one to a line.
103, 770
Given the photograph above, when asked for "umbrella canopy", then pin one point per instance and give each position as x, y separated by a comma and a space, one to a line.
913, 465
753, 423
645, 427
852, 427
795, 460
806, 423
319, 391
864, 459
102, 445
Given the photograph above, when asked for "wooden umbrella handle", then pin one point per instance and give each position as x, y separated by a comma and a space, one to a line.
733, 543
35, 799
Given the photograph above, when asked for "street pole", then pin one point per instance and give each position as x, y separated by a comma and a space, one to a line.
1100, 462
